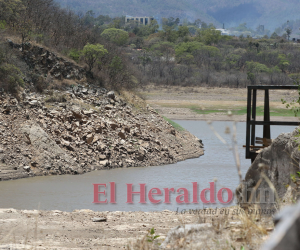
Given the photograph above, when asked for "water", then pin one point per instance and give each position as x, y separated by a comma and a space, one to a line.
76, 192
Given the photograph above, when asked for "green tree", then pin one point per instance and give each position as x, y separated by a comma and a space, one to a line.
93, 53
10, 11
253, 69
283, 62
117, 36
209, 36
188, 47
153, 26
169, 33
183, 31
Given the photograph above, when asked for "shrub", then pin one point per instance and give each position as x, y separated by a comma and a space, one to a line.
11, 78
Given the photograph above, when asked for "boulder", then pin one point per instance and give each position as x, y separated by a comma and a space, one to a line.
99, 219
122, 135
102, 157
89, 138
26, 168
45, 150
103, 163
277, 162
111, 95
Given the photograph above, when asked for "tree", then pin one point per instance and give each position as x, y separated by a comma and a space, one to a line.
274, 35
9, 10
253, 69
283, 62
116, 36
288, 32
169, 33
93, 53
188, 47
209, 36
183, 31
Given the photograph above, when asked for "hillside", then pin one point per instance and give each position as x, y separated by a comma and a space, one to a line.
270, 13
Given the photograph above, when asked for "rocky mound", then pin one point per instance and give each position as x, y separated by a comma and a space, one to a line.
83, 129
43, 62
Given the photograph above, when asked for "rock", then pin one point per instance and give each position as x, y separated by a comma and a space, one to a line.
26, 168
173, 131
96, 138
65, 143
140, 155
99, 219
34, 103
102, 157
88, 112
101, 147
103, 163
45, 150
127, 129
89, 138
277, 166
77, 113
111, 94
114, 125
1, 150
84, 91
109, 107
122, 135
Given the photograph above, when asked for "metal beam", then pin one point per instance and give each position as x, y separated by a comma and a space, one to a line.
275, 123
248, 126
267, 128
274, 87
253, 116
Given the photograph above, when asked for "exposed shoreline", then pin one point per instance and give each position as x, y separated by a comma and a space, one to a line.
34, 229
180, 103
222, 117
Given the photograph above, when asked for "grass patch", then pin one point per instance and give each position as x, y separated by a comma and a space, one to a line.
174, 124
207, 111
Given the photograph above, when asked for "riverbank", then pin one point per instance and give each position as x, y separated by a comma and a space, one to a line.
201, 103
85, 229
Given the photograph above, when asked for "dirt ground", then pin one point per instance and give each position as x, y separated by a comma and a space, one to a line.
33, 229
176, 102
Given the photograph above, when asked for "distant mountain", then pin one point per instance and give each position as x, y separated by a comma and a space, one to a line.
271, 13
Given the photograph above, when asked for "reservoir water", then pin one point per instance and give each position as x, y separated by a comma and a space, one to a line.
68, 192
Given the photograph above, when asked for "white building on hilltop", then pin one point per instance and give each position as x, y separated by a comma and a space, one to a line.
141, 20
224, 32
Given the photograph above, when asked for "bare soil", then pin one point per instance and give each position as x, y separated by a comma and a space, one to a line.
33, 229
176, 102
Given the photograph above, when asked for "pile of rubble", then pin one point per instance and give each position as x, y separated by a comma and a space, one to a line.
83, 129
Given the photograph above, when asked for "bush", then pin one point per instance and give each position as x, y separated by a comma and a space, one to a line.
11, 78
74, 54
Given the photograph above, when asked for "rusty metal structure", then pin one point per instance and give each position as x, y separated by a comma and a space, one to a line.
251, 148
